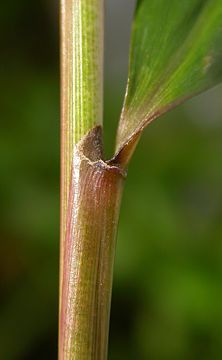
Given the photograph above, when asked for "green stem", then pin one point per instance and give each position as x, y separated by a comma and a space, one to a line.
90, 188
81, 84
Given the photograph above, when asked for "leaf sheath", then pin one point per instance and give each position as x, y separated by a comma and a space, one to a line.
93, 213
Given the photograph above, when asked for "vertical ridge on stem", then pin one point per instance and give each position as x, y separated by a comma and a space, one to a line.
81, 85
81, 111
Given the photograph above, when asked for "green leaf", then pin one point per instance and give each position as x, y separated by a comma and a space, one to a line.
176, 53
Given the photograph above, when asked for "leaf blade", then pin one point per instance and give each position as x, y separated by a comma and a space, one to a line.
176, 53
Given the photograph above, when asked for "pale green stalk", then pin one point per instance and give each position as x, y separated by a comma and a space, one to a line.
90, 188
81, 84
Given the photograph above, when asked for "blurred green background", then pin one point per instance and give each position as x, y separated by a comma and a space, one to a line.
167, 297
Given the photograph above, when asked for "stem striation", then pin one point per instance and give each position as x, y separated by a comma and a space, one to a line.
91, 188
81, 85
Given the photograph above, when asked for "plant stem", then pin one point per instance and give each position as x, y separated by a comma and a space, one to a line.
81, 83
90, 189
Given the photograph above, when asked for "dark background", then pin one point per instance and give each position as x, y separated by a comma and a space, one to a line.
167, 298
